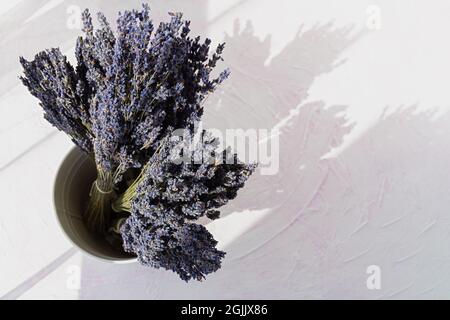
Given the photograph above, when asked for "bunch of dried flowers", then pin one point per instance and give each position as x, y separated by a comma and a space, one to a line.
128, 93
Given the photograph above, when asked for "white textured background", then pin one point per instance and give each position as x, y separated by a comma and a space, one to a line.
365, 152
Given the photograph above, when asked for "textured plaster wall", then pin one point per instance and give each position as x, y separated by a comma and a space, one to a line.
363, 111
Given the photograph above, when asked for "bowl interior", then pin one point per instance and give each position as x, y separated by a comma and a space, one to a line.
73, 182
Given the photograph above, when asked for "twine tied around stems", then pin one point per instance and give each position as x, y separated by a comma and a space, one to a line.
97, 214
98, 188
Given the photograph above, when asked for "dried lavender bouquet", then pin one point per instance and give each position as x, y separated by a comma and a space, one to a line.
183, 181
128, 92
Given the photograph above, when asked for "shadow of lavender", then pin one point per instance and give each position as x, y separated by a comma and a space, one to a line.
259, 94
384, 201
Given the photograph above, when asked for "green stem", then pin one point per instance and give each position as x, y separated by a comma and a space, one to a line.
116, 225
123, 202
97, 214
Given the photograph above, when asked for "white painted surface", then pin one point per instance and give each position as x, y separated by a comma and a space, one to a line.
358, 185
